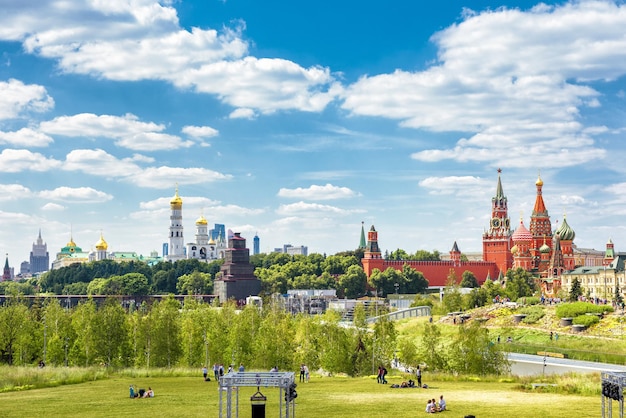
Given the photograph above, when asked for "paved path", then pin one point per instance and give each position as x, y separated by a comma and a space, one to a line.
528, 364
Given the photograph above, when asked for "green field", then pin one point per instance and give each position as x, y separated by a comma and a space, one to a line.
321, 397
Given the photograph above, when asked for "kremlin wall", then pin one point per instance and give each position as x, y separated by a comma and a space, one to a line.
549, 255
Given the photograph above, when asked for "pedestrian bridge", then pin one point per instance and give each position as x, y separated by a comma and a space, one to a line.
402, 313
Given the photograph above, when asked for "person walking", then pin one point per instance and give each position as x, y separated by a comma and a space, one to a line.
418, 374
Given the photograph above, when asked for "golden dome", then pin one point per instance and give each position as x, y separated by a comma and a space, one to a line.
101, 245
71, 243
539, 182
201, 220
176, 200
211, 241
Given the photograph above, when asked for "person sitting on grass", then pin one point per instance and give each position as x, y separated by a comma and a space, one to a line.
442, 403
430, 408
149, 393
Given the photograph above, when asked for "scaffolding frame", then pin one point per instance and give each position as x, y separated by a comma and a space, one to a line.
233, 380
618, 379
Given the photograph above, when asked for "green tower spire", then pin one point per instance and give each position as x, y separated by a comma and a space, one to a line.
362, 243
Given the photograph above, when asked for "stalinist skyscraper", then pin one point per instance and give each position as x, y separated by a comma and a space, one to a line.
39, 257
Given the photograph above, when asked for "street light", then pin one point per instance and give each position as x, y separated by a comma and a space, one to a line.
396, 285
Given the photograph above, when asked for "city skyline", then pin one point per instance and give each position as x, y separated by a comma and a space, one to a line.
298, 122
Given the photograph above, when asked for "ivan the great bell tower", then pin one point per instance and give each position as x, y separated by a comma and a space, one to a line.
497, 240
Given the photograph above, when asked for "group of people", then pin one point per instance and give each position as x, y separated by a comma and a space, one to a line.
433, 406
382, 375
141, 393
304, 373
218, 371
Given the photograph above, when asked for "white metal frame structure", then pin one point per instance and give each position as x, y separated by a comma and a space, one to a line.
233, 380
618, 381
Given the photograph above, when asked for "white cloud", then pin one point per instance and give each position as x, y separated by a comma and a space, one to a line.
145, 41
17, 160
100, 163
313, 209
315, 192
25, 137
14, 192
242, 113
519, 91
200, 131
164, 202
162, 177
17, 98
76, 194
127, 131
52, 207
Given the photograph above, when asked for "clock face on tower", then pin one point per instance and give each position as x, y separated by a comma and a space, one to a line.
495, 222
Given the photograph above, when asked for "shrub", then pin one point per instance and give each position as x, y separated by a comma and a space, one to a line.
528, 300
533, 314
574, 309
586, 320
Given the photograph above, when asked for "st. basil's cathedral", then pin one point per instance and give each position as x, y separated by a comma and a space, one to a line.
536, 249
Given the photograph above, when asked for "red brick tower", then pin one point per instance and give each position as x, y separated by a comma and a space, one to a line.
372, 258
497, 240
541, 230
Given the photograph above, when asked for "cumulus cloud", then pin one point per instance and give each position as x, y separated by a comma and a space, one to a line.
25, 137
315, 192
17, 160
164, 202
313, 209
242, 113
52, 207
456, 185
144, 40
14, 191
76, 194
516, 90
200, 131
161, 177
127, 131
17, 98
100, 163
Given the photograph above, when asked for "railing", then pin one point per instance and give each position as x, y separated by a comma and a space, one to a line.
403, 313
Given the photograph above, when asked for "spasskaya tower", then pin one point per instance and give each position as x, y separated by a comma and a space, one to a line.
497, 240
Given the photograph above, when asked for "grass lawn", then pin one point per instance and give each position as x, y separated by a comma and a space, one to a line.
322, 397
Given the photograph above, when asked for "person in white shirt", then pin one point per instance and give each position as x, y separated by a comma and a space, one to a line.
442, 403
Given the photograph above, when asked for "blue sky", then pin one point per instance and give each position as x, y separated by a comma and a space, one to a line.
298, 121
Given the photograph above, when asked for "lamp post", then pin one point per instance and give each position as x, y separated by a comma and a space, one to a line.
396, 285
604, 282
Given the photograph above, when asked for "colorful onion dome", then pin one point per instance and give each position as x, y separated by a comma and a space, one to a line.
545, 248
565, 232
521, 233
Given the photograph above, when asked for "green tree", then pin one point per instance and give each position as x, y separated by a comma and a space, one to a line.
111, 333
352, 284
195, 283
519, 283
617, 297
84, 324
414, 281
473, 352
469, 279
431, 350
13, 321
135, 284
166, 348
576, 291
